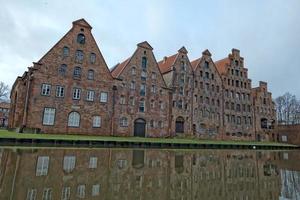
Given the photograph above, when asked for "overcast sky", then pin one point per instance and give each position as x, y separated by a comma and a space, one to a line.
266, 32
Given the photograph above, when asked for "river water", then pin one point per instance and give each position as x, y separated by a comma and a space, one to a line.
137, 174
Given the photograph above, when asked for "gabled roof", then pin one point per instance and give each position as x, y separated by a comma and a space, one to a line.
145, 44
166, 64
82, 22
118, 68
222, 65
195, 63
183, 50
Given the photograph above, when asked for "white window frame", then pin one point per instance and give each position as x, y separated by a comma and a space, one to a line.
31, 194
66, 193
69, 163
103, 97
49, 116
46, 89
76, 93
91, 74
90, 95
142, 104
97, 121
132, 85
42, 166
122, 100
60, 91
73, 121
93, 162
95, 190
81, 191
123, 122
47, 194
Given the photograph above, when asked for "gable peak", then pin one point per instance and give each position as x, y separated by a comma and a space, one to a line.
206, 52
182, 50
145, 45
82, 22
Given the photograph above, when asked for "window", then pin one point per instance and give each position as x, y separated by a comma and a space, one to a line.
46, 88
95, 190
180, 104
74, 119
122, 163
62, 70
90, 75
103, 97
133, 71
80, 38
92, 58
90, 95
93, 162
122, 100
47, 194
79, 56
96, 121
123, 122
207, 100
160, 124
212, 76
152, 124
152, 104
131, 101
144, 62
48, 117
284, 138
153, 76
238, 120
60, 91
236, 63
81, 191
42, 166
144, 75
181, 91
132, 85
31, 194
69, 163
66, 193
206, 64
76, 93
207, 75
143, 89
182, 66
161, 105
77, 72
142, 105
66, 51
153, 88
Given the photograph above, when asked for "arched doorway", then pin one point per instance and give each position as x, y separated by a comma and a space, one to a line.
139, 128
179, 125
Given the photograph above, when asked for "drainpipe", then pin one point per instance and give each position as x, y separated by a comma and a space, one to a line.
26, 102
113, 111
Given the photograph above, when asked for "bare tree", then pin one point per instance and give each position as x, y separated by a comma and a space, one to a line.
288, 109
4, 91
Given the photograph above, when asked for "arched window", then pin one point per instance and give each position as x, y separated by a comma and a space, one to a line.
92, 58
74, 119
62, 70
77, 72
79, 56
144, 62
80, 38
66, 51
123, 122
90, 74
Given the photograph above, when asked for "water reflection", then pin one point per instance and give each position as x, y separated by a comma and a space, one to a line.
35, 174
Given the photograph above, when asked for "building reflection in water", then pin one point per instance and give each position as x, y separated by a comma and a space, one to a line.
34, 174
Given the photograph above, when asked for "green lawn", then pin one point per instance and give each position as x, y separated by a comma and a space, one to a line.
8, 134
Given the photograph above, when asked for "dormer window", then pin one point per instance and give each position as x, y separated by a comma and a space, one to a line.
80, 38
66, 51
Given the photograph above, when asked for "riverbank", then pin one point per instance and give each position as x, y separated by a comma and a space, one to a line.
8, 138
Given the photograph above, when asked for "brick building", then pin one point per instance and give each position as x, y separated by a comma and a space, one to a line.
264, 113
71, 90
208, 98
238, 112
142, 100
4, 113
178, 74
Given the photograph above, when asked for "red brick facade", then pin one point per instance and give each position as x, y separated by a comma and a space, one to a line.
71, 90
4, 113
